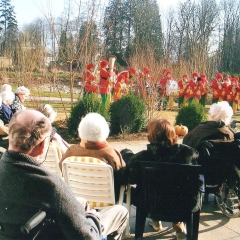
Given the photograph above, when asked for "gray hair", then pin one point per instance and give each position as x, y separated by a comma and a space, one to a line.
27, 135
7, 96
48, 111
221, 111
6, 87
22, 90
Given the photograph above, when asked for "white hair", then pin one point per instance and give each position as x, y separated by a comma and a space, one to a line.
221, 111
6, 87
7, 96
48, 111
23, 90
93, 127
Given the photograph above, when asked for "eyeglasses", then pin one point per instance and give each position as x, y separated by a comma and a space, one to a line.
48, 140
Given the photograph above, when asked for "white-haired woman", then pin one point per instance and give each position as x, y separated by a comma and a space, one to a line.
51, 114
93, 131
6, 87
217, 128
21, 94
6, 112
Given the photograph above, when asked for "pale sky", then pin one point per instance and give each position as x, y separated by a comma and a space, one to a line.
28, 10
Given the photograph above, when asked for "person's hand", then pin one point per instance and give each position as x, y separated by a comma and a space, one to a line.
112, 74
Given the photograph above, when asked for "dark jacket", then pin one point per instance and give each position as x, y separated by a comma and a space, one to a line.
178, 153
210, 130
6, 113
24, 185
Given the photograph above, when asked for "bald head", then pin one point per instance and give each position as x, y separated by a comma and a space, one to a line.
28, 128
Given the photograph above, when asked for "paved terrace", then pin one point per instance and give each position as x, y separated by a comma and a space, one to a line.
213, 224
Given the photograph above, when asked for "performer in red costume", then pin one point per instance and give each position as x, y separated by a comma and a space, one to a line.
192, 87
104, 86
182, 85
218, 93
205, 83
89, 79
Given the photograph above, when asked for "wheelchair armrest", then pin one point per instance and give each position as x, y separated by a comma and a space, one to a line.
33, 222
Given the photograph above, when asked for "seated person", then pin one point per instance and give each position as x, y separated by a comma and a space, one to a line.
217, 128
163, 147
51, 114
6, 112
21, 94
93, 131
27, 184
6, 87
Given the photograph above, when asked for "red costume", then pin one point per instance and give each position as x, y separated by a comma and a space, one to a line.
90, 80
218, 92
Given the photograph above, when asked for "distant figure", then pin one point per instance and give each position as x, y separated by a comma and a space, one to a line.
6, 87
6, 112
51, 114
20, 96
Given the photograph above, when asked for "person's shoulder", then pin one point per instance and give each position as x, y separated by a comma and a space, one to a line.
186, 149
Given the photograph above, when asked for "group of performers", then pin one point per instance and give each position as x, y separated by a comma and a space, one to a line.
109, 83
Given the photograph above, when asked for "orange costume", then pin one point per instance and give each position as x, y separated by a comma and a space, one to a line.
119, 88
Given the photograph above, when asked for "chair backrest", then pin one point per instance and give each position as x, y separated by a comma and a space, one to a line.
91, 179
52, 160
217, 158
170, 189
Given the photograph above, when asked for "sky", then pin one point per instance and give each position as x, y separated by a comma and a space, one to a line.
28, 10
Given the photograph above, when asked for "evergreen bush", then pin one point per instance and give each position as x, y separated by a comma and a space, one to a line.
127, 115
191, 115
89, 103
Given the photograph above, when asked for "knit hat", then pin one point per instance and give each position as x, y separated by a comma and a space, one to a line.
146, 70
219, 76
132, 71
104, 63
195, 74
89, 66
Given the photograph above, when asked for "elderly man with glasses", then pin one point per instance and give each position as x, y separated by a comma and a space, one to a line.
25, 184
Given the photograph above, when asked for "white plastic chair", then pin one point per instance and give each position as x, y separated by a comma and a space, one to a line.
52, 160
91, 179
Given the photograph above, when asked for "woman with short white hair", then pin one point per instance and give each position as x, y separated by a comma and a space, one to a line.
6, 112
6, 87
56, 139
21, 94
215, 129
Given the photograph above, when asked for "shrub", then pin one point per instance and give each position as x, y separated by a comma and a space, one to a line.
127, 115
89, 103
191, 115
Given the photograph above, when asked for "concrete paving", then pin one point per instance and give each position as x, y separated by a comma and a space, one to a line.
213, 224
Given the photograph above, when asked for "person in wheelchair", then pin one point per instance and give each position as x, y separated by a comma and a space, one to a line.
163, 147
215, 129
27, 185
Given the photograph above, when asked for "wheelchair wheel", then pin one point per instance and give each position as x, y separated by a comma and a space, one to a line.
229, 196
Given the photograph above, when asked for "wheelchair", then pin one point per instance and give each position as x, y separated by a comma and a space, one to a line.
221, 169
30, 230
